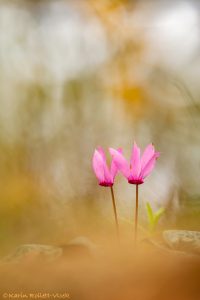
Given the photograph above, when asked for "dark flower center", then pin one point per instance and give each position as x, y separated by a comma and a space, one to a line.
135, 181
106, 183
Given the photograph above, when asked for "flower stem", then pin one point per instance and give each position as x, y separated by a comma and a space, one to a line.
115, 211
136, 212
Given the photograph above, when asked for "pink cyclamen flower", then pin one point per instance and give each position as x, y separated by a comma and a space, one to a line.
139, 167
104, 174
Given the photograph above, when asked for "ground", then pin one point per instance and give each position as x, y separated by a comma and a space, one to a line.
113, 271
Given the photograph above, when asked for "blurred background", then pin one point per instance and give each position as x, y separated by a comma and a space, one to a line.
78, 74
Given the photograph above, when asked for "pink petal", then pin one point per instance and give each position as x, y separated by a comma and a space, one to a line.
107, 174
147, 155
113, 168
135, 161
149, 166
98, 166
101, 151
120, 162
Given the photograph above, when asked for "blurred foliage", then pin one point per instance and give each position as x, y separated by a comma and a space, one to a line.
153, 217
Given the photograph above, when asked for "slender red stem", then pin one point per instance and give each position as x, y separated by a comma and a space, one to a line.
136, 212
115, 211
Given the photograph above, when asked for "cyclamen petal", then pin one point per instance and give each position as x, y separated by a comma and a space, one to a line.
98, 166
120, 162
149, 166
113, 168
147, 155
101, 151
135, 161
107, 174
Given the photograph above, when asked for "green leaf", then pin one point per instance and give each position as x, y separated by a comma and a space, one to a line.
153, 217
158, 214
150, 214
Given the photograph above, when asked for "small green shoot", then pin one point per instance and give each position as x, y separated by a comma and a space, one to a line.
153, 217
